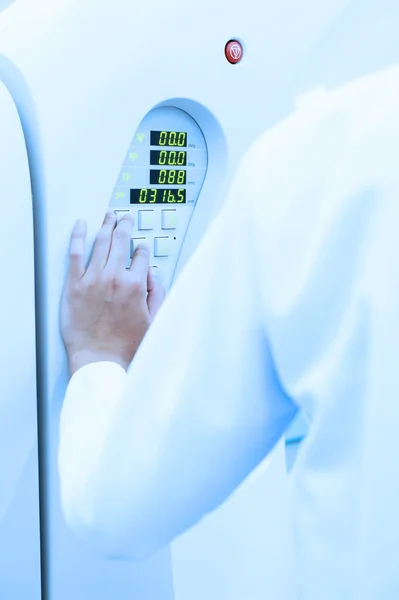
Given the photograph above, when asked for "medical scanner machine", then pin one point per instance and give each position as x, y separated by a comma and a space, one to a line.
146, 107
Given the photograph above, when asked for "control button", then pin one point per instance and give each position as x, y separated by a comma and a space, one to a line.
161, 246
146, 219
233, 51
120, 213
134, 242
169, 219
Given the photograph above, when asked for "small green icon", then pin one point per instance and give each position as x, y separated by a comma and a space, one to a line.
140, 136
133, 156
119, 195
126, 176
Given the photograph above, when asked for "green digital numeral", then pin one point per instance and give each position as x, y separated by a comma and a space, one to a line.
172, 138
172, 158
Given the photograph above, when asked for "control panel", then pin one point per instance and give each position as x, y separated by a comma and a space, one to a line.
160, 182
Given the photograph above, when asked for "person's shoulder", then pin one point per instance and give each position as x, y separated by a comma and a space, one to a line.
322, 112
333, 145
380, 85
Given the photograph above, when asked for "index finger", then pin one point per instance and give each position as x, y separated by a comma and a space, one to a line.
120, 243
77, 250
141, 263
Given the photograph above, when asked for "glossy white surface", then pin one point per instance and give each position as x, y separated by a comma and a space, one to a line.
19, 492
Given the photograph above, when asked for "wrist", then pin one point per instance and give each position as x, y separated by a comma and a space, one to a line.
84, 357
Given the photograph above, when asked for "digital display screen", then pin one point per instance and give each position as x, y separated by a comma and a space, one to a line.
168, 157
168, 138
157, 196
168, 176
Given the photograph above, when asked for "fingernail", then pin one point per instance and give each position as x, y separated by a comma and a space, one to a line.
154, 271
158, 273
142, 247
80, 223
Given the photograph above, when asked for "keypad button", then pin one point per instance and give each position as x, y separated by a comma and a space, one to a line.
169, 219
146, 219
161, 246
120, 214
134, 242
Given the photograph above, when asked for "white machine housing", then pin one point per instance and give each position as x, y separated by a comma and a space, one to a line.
19, 485
83, 76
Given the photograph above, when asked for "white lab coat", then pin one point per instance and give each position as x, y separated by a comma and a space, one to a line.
292, 299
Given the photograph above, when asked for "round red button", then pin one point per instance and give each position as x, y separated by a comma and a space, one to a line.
233, 51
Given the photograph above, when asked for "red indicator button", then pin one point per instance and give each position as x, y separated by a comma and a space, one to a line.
233, 51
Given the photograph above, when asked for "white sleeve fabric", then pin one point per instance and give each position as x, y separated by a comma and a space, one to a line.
144, 456
329, 250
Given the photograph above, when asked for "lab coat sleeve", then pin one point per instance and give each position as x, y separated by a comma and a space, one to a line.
144, 456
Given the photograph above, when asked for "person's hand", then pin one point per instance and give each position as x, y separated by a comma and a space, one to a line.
105, 308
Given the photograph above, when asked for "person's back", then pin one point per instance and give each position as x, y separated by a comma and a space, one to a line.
315, 208
328, 247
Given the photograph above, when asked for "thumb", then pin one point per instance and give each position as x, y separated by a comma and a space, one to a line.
156, 292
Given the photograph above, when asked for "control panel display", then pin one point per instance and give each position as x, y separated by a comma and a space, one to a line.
157, 196
159, 183
168, 176
169, 138
168, 157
